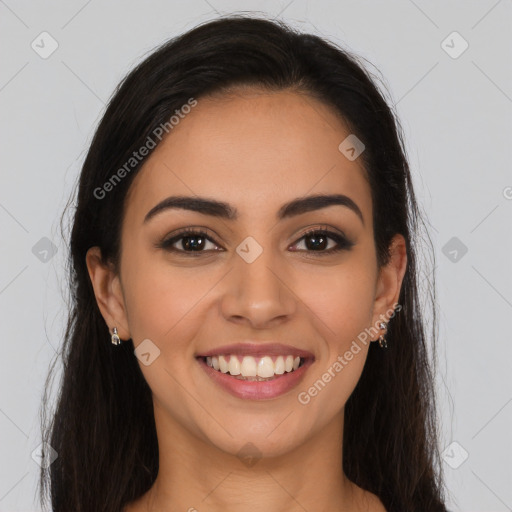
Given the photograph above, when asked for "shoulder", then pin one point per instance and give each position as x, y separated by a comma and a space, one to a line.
373, 503
369, 502
134, 506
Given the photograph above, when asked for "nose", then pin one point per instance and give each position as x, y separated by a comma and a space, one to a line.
258, 294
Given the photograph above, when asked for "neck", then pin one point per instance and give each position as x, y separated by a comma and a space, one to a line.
195, 475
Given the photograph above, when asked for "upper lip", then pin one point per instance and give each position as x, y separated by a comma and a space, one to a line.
258, 350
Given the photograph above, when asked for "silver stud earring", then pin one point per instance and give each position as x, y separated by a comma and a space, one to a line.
382, 340
116, 340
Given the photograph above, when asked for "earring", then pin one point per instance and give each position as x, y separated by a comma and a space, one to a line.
382, 340
116, 340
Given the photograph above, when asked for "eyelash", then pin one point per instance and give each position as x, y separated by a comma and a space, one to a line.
342, 242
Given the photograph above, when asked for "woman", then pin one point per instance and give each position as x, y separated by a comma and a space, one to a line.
245, 331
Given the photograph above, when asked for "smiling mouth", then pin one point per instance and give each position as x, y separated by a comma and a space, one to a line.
254, 369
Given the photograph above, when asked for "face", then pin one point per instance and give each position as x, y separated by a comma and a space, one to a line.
255, 277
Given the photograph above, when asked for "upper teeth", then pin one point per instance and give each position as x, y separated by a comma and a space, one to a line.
253, 366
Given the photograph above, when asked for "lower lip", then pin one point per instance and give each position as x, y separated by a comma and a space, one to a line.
254, 390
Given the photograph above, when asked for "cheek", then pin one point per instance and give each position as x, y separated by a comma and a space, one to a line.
160, 298
165, 304
342, 299
341, 304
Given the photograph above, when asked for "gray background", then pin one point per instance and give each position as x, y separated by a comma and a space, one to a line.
456, 117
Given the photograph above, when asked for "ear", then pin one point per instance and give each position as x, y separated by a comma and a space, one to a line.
389, 281
108, 292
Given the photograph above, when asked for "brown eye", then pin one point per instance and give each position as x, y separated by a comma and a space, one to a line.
188, 241
194, 242
317, 240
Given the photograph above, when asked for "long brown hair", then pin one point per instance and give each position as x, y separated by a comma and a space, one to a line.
103, 425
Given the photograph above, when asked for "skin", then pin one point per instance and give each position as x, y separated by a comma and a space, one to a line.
255, 150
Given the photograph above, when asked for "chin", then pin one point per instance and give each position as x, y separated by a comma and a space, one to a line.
257, 439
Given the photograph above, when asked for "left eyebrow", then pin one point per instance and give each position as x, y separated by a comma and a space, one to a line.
317, 202
225, 211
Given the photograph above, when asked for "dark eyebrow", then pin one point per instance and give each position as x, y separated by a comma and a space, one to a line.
225, 211
316, 202
196, 204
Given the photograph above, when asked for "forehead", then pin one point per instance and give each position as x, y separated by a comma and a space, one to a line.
254, 150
